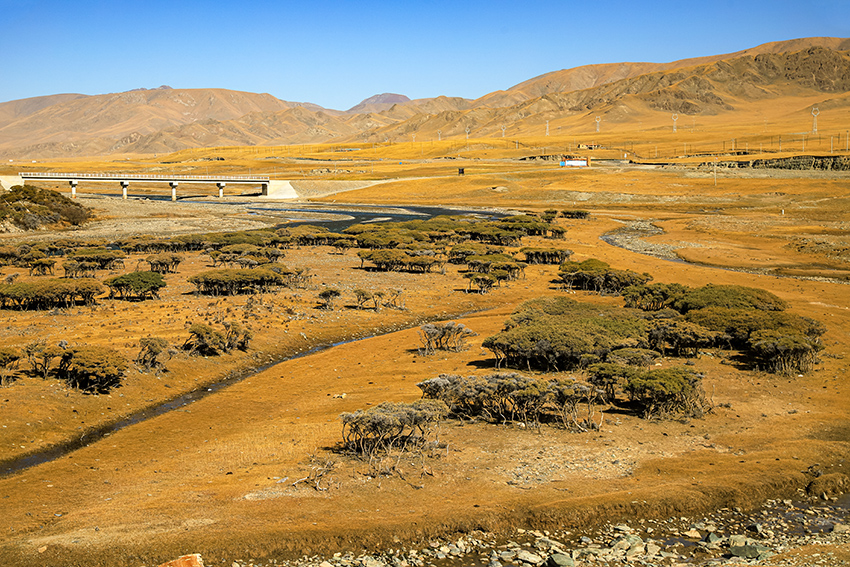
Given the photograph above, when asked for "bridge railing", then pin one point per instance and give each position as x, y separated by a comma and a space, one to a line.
142, 177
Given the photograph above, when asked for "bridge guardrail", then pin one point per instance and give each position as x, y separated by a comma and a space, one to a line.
144, 177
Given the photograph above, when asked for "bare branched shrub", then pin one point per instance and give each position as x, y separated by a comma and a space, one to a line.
391, 425
448, 336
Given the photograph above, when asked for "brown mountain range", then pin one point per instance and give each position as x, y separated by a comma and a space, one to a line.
163, 120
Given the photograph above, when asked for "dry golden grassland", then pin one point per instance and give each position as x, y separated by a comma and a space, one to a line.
208, 477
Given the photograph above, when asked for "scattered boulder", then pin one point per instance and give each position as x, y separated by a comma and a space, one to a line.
560, 560
528, 557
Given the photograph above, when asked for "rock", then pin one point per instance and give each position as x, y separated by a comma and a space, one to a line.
652, 549
712, 538
193, 560
634, 550
560, 560
546, 543
840, 528
748, 551
693, 534
623, 528
528, 557
325, 564
738, 540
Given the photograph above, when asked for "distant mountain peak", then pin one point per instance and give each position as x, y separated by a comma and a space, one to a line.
160, 88
379, 102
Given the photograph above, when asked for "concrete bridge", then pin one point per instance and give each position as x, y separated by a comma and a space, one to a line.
277, 189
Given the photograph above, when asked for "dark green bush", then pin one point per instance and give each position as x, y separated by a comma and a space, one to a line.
559, 332
96, 370
668, 391
30, 207
135, 285
233, 282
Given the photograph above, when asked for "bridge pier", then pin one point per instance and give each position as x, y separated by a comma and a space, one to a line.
73, 183
124, 185
221, 187
264, 189
173, 185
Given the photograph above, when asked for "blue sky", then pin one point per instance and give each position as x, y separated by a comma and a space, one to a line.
336, 53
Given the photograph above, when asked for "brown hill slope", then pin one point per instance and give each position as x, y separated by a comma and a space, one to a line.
589, 76
115, 116
721, 87
21, 108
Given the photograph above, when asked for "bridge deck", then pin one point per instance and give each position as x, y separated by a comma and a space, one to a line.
118, 177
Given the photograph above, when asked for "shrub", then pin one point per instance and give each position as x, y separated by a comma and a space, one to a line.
729, 297
206, 341
93, 369
49, 294
784, 353
684, 337
546, 255
632, 356
596, 275
236, 336
8, 360
448, 336
105, 258
391, 425
233, 282
327, 298
164, 263
667, 391
361, 296
40, 356
140, 285
152, 351
484, 282
654, 297
560, 333
42, 266
503, 396
609, 377
30, 207
568, 395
